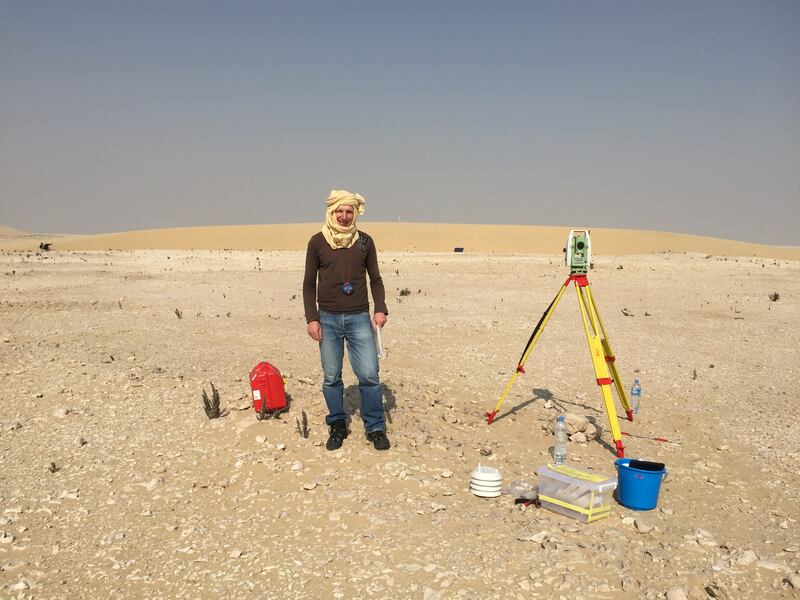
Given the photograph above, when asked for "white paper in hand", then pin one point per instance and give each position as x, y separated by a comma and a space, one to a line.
379, 344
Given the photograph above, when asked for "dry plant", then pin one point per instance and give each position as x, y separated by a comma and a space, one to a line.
178, 313
405, 292
211, 406
774, 296
302, 424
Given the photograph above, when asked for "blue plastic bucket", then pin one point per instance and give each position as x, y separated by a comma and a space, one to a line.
638, 483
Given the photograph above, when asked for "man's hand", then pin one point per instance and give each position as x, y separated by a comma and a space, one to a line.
379, 320
315, 330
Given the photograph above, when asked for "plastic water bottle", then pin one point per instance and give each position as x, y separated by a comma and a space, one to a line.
636, 396
560, 446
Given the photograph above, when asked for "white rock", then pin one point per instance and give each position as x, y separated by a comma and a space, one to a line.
152, 484
20, 585
641, 526
260, 439
537, 538
431, 594
435, 507
6, 538
677, 593
61, 412
310, 485
297, 466
771, 565
280, 446
235, 553
748, 557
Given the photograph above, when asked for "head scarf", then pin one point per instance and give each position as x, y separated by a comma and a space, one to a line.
336, 235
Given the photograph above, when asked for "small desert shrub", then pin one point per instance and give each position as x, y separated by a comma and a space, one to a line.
405, 292
302, 425
774, 296
211, 406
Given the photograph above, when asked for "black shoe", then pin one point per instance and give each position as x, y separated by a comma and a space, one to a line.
338, 432
379, 439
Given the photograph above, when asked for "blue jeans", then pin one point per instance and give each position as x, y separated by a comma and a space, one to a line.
356, 330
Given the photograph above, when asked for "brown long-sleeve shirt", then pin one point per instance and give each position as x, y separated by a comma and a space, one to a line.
327, 269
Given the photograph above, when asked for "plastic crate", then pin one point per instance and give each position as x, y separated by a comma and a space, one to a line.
577, 494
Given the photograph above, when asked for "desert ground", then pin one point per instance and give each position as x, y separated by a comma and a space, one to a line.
115, 483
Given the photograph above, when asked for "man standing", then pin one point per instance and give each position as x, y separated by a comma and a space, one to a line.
338, 260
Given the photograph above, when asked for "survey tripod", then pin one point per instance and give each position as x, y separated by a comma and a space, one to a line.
603, 359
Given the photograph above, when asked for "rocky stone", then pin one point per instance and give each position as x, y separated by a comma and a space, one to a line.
6, 538
641, 526
677, 593
19, 585
771, 565
747, 557
575, 423
431, 594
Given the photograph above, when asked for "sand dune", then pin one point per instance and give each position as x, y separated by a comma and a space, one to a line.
11, 231
420, 237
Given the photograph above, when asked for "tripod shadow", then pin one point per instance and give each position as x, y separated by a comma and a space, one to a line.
538, 394
566, 404
352, 401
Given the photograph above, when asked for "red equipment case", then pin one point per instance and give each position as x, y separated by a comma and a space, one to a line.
266, 383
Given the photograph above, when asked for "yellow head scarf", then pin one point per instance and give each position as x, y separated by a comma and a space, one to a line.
336, 235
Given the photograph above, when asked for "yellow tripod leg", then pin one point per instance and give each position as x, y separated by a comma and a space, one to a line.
597, 352
531, 343
610, 357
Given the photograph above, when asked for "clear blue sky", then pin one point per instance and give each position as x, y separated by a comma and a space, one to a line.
675, 116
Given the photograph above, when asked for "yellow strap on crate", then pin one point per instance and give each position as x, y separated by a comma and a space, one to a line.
570, 472
592, 513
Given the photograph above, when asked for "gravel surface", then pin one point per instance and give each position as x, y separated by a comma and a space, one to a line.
115, 484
